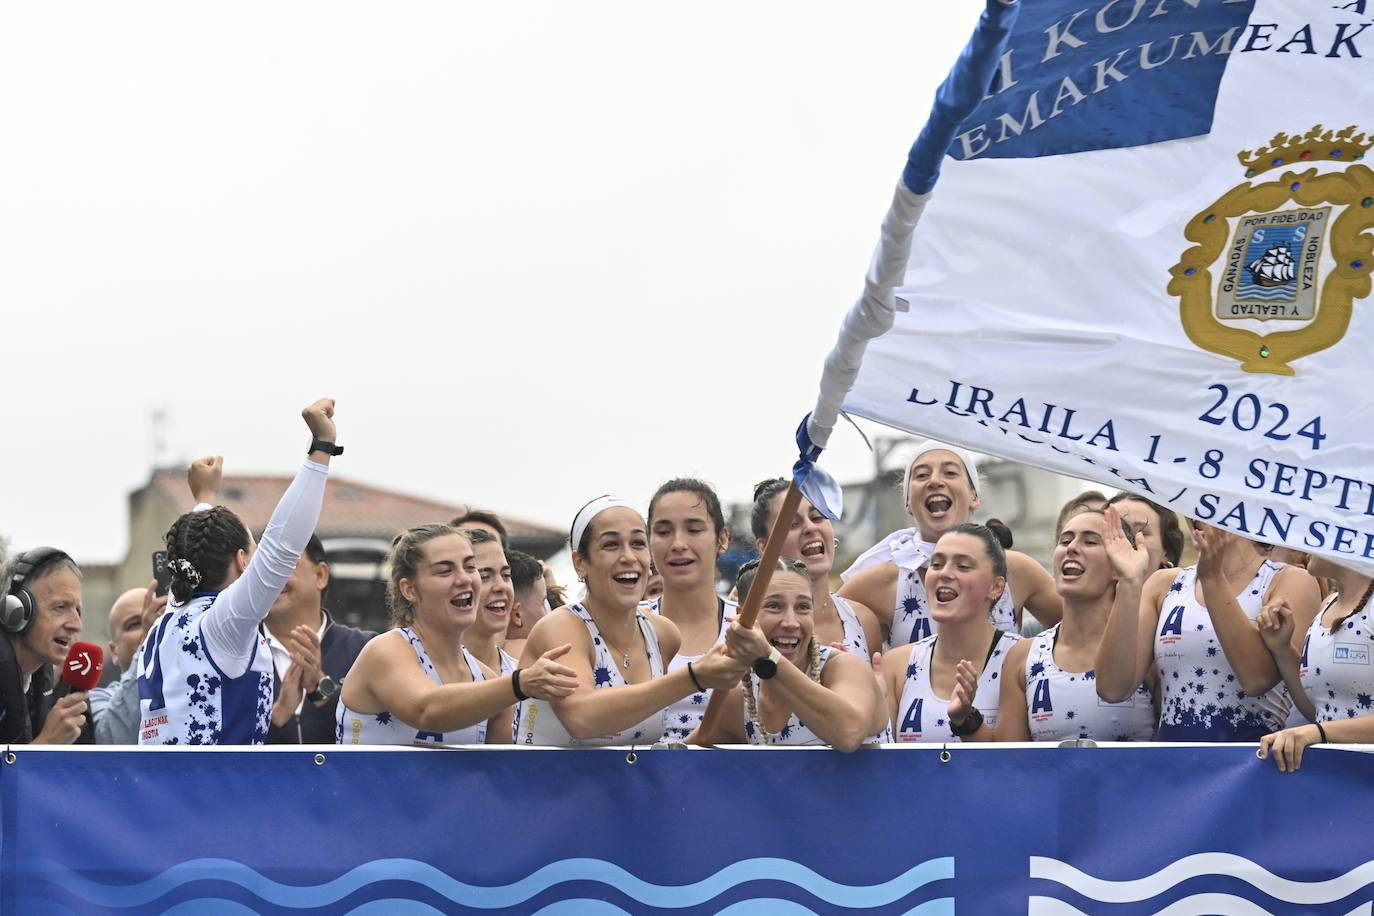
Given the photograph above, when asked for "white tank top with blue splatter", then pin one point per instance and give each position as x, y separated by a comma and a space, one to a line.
1061, 704
1201, 696
854, 639
353, 727
539, 725
923, 716
1337, 666
795, 732
682, 718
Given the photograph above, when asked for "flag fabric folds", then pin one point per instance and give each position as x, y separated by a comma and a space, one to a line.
1147, 263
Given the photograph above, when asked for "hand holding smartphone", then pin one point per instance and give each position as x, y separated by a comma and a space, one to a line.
161, 573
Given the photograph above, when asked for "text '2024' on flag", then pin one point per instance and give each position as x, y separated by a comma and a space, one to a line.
1147, 262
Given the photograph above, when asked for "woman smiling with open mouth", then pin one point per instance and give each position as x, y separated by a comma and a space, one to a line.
941, 493
620, 654
798, 692
967, 574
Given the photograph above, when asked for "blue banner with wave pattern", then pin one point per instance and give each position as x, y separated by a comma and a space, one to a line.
1205, 829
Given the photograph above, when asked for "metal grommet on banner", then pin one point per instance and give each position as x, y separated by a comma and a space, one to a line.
631, 758
1259, 752
945, 755
9, 757
319, 760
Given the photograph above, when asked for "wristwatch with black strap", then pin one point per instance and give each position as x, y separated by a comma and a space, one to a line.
972, 722
325, 689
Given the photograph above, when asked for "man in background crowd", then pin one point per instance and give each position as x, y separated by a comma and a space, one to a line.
482, 520
40, 616
115, 707
527, 582
311, 654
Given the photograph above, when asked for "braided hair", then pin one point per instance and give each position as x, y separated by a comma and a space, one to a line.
200, 546
1364, 600
765, 493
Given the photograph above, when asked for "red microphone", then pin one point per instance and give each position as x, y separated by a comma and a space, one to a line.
81, 670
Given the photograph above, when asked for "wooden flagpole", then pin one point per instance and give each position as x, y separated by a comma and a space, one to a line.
749, 612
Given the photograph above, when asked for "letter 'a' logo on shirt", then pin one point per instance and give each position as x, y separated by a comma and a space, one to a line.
911, 723
921, 629
1173, 624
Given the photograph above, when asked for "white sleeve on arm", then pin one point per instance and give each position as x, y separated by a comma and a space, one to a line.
230, 626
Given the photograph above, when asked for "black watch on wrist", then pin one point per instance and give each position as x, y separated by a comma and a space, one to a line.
972, 722
325, 689
329, 448
767, 666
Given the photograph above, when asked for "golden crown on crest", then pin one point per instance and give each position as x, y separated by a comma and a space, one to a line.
1317, 145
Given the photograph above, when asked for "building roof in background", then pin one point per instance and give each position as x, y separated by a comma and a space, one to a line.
350, 507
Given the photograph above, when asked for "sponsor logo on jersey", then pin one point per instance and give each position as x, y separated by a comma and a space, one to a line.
152, 727
1349, 653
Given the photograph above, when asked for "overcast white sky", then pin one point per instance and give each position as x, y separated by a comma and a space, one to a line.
537, 251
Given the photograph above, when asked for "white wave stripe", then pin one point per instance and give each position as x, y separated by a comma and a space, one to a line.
1196, 905
1203, 863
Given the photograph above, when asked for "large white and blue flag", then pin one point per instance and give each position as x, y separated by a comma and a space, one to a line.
1147, 261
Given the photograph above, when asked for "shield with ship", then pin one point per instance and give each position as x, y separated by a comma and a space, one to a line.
1273, 266
1278, 262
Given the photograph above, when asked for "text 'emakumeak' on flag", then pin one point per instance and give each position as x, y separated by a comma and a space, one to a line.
1147, 261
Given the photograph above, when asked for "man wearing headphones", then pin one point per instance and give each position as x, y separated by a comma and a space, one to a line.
40, 617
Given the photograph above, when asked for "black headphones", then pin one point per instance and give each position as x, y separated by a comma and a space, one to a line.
19, 607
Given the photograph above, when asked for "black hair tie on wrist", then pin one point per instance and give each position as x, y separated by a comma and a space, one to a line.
1321, 731
693, 675
515, 685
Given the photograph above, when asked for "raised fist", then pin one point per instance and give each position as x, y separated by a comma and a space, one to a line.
320, 418
203, 476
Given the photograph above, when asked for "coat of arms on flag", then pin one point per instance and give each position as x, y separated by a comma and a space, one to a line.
1282, 246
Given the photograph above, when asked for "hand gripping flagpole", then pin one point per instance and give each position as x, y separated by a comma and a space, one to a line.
873, 314
805, 475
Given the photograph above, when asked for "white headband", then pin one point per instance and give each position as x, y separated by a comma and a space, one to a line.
905, 547
591, 510
930, 445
